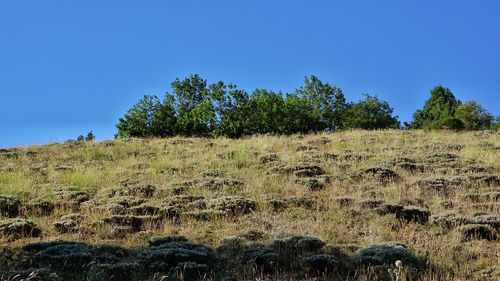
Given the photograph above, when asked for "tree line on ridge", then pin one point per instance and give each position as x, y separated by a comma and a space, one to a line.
196, 108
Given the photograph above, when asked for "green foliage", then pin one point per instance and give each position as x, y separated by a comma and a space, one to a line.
449, 123
328, 103
139, 121
298, 115
232, 109
443, 111
474, 116
370, 113
165, 119
196, 108
442, 104
266, 112
195, 111
90, 137
496, 124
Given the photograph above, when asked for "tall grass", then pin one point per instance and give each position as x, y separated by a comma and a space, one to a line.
80, 179
14, 184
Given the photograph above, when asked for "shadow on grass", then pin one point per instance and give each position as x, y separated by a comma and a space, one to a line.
175, 258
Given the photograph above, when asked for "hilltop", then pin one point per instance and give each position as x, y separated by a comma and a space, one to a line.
343, 205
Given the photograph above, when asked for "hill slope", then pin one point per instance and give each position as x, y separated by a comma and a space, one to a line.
261, 207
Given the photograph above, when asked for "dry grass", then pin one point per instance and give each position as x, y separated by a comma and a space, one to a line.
92, 167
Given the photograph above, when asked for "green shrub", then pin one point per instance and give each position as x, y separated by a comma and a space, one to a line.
474, 116
448, 123
443, 111
370, 113
441, 104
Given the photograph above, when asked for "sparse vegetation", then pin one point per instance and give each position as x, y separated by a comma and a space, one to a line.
327, 206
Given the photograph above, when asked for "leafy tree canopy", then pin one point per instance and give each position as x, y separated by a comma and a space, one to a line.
444, 111
327, 102
139, 121
474, 116
196, 108
370, 113
441, 104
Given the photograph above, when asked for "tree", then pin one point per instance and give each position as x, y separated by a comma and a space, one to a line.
370, 113
195, 112
139, 120
299, 116
443, 111
328, 103
265, 110
474, 116
195, 108
496, 124
441, 104
90, 136
165, 118
232, 110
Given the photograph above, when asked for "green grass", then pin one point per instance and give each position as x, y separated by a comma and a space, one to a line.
93, 153
161, 165
239, 158
80, 179
14, 184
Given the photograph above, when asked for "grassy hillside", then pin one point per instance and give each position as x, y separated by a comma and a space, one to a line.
335, 206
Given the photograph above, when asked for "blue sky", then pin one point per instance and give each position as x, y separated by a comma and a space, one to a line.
68, 67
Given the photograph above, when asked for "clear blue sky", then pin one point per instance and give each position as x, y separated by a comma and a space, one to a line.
68, 67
